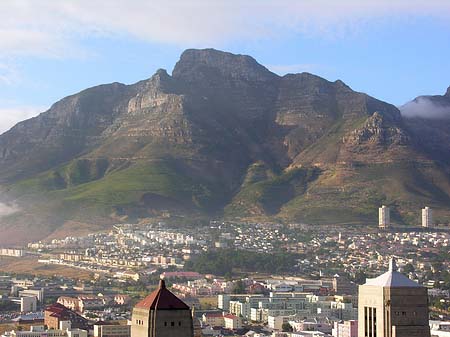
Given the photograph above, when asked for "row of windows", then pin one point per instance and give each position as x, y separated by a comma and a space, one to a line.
404, 313
141, 322
370, 322
172, 323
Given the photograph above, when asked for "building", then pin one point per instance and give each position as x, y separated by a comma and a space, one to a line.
40, 331
12, 252
213, 319
343, 286
232, 322
122, 299
57, 313
320, 325
34, 292
90, 303
345, 329
28, 304
384, 217
36, 331
161, 314
276, 322
189, 275
440, 328
427, 217
241, 309
71, 303
196, 324
392, 305
223, 302
111, 329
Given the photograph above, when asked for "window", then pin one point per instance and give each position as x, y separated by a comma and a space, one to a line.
375, 322
165, 323
179, 323
366, 323
370, 322
172, 323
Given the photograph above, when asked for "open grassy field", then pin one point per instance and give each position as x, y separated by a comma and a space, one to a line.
30, 265
208, 302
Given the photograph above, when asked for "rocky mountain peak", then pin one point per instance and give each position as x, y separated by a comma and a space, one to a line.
197, 64
341, 84
223, 135
161, 73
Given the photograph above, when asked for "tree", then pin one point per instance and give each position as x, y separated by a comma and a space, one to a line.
286, 327
360, 277
409, 268
239, 287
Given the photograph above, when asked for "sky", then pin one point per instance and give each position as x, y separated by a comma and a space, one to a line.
393, 50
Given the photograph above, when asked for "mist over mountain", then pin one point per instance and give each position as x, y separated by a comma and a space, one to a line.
223, 137
428, 107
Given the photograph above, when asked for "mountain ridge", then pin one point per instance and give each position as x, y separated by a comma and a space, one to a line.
221, 137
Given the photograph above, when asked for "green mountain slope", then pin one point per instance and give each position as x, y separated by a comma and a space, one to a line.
221, 137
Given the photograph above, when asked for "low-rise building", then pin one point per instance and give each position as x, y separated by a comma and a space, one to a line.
276, 322
12, 252
56, 313
232, 322
71, 303
213, 319
345, 329
122, 299
65, 330
111, 329
33, 292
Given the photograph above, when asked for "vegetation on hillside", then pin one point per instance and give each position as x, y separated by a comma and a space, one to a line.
226, 261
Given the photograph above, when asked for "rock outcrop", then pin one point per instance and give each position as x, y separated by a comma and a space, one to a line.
221, 136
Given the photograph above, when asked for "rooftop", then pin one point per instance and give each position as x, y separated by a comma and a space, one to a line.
392, 279
162, 299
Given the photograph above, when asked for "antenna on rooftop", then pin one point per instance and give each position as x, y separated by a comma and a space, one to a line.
392, 265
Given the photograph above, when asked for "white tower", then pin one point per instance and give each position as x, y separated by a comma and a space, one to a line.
384, 219
427, 217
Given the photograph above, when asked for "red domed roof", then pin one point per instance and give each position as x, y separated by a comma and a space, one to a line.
162, 299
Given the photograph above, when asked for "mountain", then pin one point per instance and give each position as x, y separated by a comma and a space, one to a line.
222, 136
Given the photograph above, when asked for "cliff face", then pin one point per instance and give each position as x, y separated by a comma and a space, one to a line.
221, 136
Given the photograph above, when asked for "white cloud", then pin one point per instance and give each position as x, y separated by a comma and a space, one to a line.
423, 107
8, 209
11, 116
9, 75
55, 28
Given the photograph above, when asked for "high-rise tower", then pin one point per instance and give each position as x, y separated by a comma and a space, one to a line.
384, 218
427, 217
392, 305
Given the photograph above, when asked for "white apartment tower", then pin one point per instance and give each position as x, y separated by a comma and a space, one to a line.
427, 217
384, 218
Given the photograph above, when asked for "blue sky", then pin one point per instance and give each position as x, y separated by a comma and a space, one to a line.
393, 50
